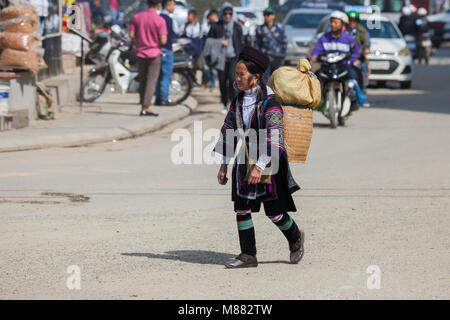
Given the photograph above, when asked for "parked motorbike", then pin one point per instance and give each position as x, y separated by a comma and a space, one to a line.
99, 48
120, 70
336, 88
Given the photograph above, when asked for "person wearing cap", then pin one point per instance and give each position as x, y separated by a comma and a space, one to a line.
339, 41
272, 41
255, 111
232, 39
361, 35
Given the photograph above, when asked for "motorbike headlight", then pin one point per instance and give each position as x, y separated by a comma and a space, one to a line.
404, 52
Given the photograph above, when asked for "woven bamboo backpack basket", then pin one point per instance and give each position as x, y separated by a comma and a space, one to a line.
299, 92
298, 129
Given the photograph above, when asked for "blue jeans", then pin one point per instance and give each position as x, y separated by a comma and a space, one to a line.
165, 76
364, 74
209, 75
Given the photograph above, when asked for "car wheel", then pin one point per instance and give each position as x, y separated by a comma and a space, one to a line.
405, 85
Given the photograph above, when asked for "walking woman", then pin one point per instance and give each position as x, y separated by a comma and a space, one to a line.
255, 107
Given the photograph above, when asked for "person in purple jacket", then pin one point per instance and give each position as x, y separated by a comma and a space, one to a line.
338, 40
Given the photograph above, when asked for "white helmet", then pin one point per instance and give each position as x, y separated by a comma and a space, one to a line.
406, 10
422, 12
339, 15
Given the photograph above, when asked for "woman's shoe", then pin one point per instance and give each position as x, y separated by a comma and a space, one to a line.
242, 261
297, 249
150, 114
224, 110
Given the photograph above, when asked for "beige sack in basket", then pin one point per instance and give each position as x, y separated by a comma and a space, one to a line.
296, 86
19, 59
18, 41
21, 26
19, 13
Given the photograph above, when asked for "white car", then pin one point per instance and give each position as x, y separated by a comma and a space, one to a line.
440, 21
389, 58
300, 26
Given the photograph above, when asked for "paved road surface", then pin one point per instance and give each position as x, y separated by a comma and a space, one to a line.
376, 193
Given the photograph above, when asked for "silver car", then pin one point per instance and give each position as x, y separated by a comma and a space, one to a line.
300, 26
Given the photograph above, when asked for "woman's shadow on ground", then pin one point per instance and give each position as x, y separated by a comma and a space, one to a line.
193, 256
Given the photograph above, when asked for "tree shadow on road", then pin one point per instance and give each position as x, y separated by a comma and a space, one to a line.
195, 256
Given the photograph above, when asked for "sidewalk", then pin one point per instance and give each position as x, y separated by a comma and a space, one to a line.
112, 117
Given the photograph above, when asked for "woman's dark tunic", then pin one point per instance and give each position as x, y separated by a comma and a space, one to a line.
268, 115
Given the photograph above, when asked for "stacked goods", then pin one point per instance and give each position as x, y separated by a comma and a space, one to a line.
19, 42
298, 91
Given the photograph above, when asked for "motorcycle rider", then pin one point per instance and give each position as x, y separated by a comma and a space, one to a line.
407, 23
337, 40
423, 27
362, 38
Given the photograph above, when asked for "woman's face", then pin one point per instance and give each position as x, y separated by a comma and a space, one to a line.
244, 79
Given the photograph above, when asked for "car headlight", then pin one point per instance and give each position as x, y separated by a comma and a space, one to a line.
404, 52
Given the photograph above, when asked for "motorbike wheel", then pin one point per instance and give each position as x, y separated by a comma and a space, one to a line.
333, 111
93, 87
180, 87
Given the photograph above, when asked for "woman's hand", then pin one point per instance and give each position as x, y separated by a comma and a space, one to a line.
222, 175
255, 175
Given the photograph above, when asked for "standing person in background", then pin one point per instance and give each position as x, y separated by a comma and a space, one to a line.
150, 32
245, 32
41, 7
211, 18
165, 77
231, 34
362, 38
209, 73
113, 6
53, 19
271, 40
193, 31
98, 14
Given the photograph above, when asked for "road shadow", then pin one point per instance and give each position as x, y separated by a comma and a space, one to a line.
195, 256
321, 125
190, 256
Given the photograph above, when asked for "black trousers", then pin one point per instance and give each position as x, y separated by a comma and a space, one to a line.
226, 80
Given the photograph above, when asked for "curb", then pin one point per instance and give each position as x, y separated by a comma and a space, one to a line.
107, 135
